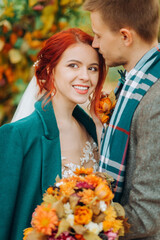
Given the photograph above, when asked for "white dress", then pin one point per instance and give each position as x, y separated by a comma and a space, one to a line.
90, 155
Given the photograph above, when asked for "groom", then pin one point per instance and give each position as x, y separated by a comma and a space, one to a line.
126, 33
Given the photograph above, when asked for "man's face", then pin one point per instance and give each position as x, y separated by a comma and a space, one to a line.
109, 43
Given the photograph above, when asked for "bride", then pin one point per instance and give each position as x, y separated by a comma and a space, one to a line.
58, 136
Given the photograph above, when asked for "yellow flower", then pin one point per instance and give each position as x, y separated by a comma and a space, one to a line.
82, 215
48, 198
110, 214
117, 226
83, 170
44, 219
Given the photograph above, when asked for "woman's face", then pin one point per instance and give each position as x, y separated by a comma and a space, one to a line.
76, 74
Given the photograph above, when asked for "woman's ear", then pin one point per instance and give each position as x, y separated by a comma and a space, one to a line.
126, 36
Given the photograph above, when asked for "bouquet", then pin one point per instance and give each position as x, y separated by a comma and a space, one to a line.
78, 208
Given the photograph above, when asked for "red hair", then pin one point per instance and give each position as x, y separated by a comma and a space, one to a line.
50, 55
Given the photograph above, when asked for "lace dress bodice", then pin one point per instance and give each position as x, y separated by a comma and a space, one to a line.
90, 156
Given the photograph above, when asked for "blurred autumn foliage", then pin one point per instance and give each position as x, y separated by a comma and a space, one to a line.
24, 26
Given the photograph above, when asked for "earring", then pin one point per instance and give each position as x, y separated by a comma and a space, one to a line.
53, 92
42, 82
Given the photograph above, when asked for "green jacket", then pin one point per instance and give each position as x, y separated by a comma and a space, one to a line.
30, 157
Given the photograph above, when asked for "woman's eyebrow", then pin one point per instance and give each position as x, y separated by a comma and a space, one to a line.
74, 60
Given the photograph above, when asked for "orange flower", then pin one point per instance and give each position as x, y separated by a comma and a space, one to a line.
82, 215
103, 192
54, 191
50, 190
79, 237
105, 106
83, 170
67, 188
86, 196
103, 117
107, 225
44, 219
93, 180
26, 232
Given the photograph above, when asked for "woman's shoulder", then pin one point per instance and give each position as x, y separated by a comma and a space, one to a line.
23, 125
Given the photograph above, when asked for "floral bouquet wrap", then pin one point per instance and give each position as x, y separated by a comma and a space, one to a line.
78, 208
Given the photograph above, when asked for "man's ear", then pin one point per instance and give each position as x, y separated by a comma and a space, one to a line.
127, 36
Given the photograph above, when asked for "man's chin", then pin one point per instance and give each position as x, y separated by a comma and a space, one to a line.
114, 64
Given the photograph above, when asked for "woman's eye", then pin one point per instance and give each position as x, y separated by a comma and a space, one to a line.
73, 65
94, 69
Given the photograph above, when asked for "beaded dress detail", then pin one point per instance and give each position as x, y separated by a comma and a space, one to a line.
90, 155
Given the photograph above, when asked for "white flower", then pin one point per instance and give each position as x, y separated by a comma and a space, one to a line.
67, 208
102, 206
94, 227
58, 184
70, 219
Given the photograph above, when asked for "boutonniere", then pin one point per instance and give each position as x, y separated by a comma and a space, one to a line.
106, 106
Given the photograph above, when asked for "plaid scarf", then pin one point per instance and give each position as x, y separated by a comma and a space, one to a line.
115, 137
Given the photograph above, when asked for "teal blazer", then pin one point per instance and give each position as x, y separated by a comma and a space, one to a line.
30, 158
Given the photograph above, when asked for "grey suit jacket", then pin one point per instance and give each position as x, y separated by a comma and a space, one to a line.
141, 194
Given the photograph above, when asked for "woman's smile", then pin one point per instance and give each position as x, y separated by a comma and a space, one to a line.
81, 89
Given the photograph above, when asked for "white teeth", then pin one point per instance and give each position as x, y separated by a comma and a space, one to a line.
81, 88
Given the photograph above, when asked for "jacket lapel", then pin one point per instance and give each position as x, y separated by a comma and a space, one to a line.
51, 153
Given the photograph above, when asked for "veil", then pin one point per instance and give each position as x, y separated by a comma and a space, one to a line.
26, 105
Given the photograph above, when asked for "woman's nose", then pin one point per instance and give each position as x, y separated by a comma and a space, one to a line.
84, 75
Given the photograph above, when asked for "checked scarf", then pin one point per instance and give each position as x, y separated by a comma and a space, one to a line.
115, 138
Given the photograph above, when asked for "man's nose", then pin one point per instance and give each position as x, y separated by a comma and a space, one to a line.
95, 43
